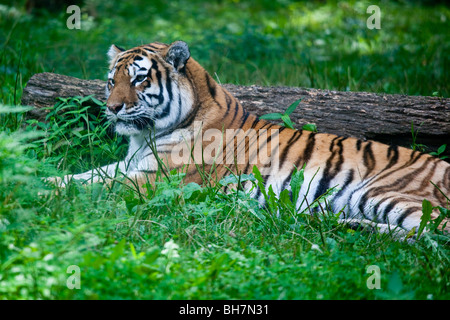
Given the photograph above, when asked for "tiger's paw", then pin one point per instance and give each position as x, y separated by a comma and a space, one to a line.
57, 181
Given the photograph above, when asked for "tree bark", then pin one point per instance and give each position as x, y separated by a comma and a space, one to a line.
382, 117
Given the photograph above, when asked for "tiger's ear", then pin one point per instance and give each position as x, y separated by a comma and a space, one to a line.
178, 54
113, 52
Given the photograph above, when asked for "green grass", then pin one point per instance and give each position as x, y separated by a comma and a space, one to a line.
186, 241
180, 241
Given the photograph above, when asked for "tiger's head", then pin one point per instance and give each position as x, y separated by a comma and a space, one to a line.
148, 88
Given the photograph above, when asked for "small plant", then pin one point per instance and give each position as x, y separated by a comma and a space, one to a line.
285, 117
416, 146
437, 95
310, 127
439, 152
422, 148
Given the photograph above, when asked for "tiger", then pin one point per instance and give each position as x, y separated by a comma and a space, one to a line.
173, 111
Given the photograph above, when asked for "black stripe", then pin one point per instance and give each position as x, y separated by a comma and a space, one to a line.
149, 50
228, 101
348, 180
246, 114
309, 147
254, 123
332, 144
362, 205
266, 124
138, 50
147, 171
295, 136
281, 129
179, 106
358, 144
284, 185
329, 173
248, 151
368, 159
376, 209
388, 209
405, 214
160, 96
166, 110
413, 159
153, 47
236, 109
211, 86
392, 155
258, 193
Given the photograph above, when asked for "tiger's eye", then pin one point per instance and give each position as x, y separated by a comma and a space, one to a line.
140, 78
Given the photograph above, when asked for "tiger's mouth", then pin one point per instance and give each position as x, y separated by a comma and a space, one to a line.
138, 123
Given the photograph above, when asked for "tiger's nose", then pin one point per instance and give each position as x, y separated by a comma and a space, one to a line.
115, 107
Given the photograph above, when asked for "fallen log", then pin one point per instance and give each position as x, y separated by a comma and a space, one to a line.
382, 117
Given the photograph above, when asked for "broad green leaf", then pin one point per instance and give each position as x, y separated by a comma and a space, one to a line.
260, 180
427, 208
310, 127
272, 197
97, 102
84, 99
190, 189
292, 107
285, 198
296, 183
287, 121
257, 174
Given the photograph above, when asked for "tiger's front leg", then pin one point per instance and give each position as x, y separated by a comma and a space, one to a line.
92, 176
100, 174
137, 171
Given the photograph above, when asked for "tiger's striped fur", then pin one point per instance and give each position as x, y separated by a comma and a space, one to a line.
159, 88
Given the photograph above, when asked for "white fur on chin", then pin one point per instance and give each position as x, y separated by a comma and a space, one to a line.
126, 129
